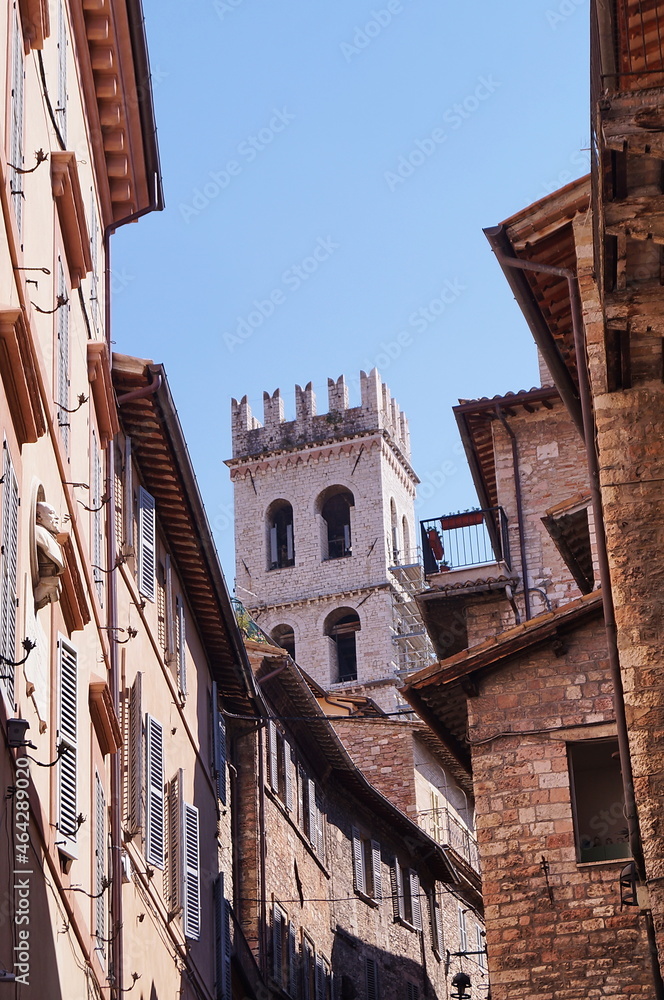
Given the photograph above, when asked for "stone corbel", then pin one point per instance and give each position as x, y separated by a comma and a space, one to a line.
35, 22
99, 375
19, 375
69, 201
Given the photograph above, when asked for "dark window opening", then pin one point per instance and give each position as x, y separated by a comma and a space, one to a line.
336, 515
284, 636
281, 546
342, 630
598, 805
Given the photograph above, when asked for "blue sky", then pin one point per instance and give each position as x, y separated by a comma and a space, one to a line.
384, 136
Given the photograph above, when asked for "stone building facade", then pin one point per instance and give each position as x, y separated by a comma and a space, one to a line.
325, 533
338, 893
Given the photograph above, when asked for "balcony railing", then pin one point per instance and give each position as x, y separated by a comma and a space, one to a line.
469, 538
447, 830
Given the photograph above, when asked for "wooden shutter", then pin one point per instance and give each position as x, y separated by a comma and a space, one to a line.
67, 735
412, 991
169, 621
396, 880
289, 542
9, 583
192, 873
272, 757
480, 946
154, 771
292, 961
463, 935
371, 978
223, 947
146, 543
320, 978
359, 875
307, 967
63, 358
128, 499
97, 523
100, 865
313, 820
181, 646
415, 901
278, 922
61, 108
17, 116
274, 556
219, 745
320, 829
176, 845
376, 872
288, 776
135, 797
436, 923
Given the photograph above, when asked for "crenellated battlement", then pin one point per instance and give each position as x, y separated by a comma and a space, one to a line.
377, 411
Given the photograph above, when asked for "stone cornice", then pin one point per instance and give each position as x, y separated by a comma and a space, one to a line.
319, 598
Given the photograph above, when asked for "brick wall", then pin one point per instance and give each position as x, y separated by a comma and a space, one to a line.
581, 944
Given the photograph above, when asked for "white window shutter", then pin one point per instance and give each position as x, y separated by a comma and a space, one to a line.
320, 831
17, 117
223, 944
277, 944
192, 873
463, 935
273, 760
396, 880
176, 844
135, 797
376, 872
146, 543
100, 864
9, 583
181, 646
313, 820
68, 736
359, 876
61, 108
288, 776
128, 500
371, 977
415, 901
154, 832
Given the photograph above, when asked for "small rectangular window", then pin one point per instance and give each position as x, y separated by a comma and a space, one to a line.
406, 902
367, 873
598, 803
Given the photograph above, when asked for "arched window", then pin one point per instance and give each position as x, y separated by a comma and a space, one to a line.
405, 530
394, 522
341, 627
280, 546
284, 636
334, 506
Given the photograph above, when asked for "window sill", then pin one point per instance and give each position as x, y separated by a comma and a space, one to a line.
348, 555
369, 900
406, 924
611, 863
274, 569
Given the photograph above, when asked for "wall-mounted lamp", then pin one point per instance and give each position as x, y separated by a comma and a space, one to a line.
16, 730
461, 982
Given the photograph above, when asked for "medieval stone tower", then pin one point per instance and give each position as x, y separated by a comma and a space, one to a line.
325, 535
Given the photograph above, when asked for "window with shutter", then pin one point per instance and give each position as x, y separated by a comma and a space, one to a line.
412, 991
9, 568
154, 771
288, 776
320, 978
278, 934
219, 745
135, 796
97, 520
181, 646
359, 877
67, 736
463, 933
320, 828
62, 324
396, 879
100, 865
95, 283
128, 501
376, 872
146, 543
176, 845
480, 946
223, 944
436, 924
371, 979
272, 759
192, 873
292, 962
17, 117
415, 901
61, 108
308, 969
169, 619
312, 829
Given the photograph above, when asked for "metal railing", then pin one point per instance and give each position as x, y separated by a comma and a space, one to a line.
442, 826
468, 538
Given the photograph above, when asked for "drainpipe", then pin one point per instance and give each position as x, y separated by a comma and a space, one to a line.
519, 510
589, 434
